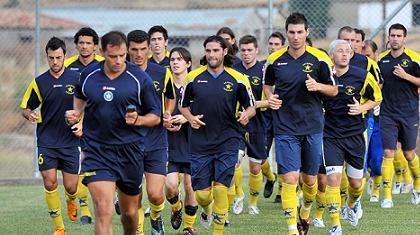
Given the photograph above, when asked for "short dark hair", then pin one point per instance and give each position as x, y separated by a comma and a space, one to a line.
296, 18
344, 28
248, 39
361, 32
372, 44
228, 60
184, 53
398, 26
137, 36
86, 31
278, 35
229, 31
114, 38
158, 29
54, 44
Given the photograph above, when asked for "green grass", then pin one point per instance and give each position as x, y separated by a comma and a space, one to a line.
23, 211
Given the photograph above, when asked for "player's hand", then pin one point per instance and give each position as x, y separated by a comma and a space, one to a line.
131, 118
77, 129
243, 118
311, 84
196, 122
355, 109
174, 128
72, 117
274, 102
167, 120
400, 72
179, 119
30, 115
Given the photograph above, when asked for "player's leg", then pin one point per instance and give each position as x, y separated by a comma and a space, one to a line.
400, 166
255, 184
129, 211
173, 194
82, 195
238, 202
376, 153
320, 197
102, 193
191, 205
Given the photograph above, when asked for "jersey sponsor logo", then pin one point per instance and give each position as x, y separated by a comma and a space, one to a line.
89, 173
70, 89
255, 80
404, 63
108, 96
349, 90
156, 84
202, 81
74, 69
108, 88
228, 86
385, 61
307, 67
283, 63
56, 86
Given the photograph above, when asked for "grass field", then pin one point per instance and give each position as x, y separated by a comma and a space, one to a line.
23, 211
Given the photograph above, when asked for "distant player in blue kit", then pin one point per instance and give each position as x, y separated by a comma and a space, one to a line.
211, 95
118, 101
158, 40
52, 93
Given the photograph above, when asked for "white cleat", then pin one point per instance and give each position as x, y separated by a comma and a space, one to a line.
386, 203
407, 188
370, 186
358, 209
397, 188
374, 198
319, 223
352, 216
415, 197
238, 205
205, 220
335, 230
253, 210
343, 213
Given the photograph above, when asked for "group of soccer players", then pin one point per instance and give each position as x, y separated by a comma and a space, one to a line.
138, 110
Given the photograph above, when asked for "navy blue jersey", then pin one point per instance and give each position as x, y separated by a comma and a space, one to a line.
216, 99
178, 141
164, 62
357, 83
107, 100
254, 75
53, 96
73, 63
301, 111
162, 81
401, 99
364, 62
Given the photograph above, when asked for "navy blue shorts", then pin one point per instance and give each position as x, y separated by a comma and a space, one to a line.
255, 145
403, 130
375, 152
269, 130
350, 149
155, 161
65, 159
122, 164
179, 167
206, 168
299, 152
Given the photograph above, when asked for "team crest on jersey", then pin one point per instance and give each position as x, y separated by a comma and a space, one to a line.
228, 86
255, 81
349, 90
70, 89
156, 84
307, 67
404, 63
108, 96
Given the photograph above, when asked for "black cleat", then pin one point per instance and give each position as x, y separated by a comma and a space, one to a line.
303, 225
157, 226
277, 199
117, 206
85, 219
176, 218
189, 231
227, 223
268, 187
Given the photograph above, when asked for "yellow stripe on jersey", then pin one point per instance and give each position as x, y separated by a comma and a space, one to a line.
413, 55
275, 55
99, 58
167, 53
373, 68
168, 78
33, 87
322, 56
383, 54
370, 81
241, 78
193, 74
71, 60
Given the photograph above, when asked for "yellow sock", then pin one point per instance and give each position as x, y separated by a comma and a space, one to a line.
309, 195
280, 180
188, 217
415, 170
354, 194
255, 186
237, 178
387, 174
399, 165
289, 203
155, 210
343, 187
140, 224
220, 208
70, 197
363, 187
320, 205
231, 194
205, 199
54, 207
333, 198
266, 170
83, 197
377, 180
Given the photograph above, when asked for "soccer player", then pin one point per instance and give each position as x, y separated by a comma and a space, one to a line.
211, 94
52, 92
275, 42
301, 76
86, 40
229, 36
343, 131
178, 155
358, 40
370, 49
156, 142
255, 131
118, 101
158, 37
399, 121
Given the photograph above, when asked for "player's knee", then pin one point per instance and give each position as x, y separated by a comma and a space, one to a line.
409, 155
70, 188
322, 182
156, 198
130, 213
254, 166
389, 153
103, 209
204, 197
191, 210
50, 185
171, 189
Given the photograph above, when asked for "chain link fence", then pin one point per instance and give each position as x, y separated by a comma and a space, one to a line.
189, 22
